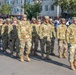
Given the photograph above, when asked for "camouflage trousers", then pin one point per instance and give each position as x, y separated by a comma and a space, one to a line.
72, 53
25, 46
52, 45
62, 43
14, 44
5, 43
34, 44
48, 46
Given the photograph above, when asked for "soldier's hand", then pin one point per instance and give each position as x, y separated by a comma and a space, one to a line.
69, 45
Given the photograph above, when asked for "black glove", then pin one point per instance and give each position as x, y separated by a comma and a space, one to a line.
69, 45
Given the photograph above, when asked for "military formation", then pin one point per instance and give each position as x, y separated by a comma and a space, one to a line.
23, 37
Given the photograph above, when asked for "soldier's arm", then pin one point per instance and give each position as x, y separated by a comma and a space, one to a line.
53, 32
58, 32
68, 35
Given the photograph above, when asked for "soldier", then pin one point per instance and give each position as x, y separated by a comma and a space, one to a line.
71, 40
6, 28
34, 37
14, 38
1, 24
61, 35
53, 36
45, 36
25, 36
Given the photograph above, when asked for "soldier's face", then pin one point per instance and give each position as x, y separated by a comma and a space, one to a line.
74, 22
34, 21
39, 22
25, 19
47, 21
63, 22
15, 21
0, 22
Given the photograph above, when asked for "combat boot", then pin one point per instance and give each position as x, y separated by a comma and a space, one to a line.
42, 56
64, 55
27, 58
17, 55
48, 58
60, 54
72, 66
11, 54
21, 59
75, 63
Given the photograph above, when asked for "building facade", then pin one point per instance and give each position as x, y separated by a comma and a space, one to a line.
2, 2
49, 9
16, 6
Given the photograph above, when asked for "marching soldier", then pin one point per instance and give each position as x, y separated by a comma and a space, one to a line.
45, 36
25, 36
61, 35
34, 37
1, 24
14, 43
6, 29
71, 40
53, 36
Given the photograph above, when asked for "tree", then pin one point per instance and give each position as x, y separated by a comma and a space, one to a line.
32, 10
66, 5
5, 9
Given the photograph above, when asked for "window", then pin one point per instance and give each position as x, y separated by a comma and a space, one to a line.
52, 7
46, 7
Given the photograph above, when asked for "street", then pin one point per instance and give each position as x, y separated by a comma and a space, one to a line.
37, 66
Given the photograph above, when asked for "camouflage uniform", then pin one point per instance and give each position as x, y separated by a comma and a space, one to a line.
6, 29
1, 21
61, 35
25, 39
34, 37
0, 29
14, 43
53, 37
45, 34
71, 40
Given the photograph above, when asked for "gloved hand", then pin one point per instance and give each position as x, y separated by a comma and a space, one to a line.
69, 45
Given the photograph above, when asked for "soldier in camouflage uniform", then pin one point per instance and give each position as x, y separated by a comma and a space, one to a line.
1, 23
71, 40
34, 37
61, 35
14, 43
25, 36
53, 36
45, 34
6, 29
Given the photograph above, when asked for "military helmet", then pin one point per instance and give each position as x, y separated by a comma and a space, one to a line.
46, 17
8, 20
33, 19
14, 19
1, 19
51, 20
24, 16
63, 19
74, 18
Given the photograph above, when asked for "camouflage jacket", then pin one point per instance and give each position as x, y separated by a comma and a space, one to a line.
61, 32
71, 34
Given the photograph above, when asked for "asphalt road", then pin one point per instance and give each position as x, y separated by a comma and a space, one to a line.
37, 66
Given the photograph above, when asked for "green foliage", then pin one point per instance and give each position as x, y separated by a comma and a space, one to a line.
66, 5
32, 10
5, 9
